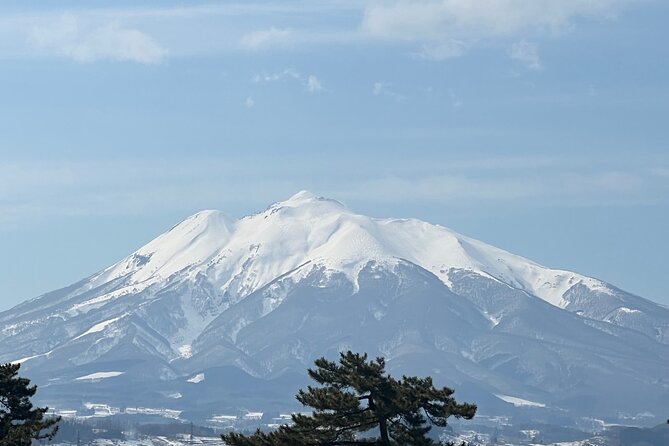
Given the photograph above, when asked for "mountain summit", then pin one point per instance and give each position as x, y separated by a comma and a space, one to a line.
215, 305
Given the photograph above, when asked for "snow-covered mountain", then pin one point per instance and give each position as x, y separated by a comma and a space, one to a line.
217, 315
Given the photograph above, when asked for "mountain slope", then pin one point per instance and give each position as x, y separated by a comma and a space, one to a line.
307, 277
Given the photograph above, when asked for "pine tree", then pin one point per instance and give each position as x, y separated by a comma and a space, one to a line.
20, 423
356, 397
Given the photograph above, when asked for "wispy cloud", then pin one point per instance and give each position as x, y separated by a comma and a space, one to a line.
447, 28
148, 35
288, 73
382, 88
439, 19
439, 29
527, 53
40, 190
311, 83
267, 38
68, 36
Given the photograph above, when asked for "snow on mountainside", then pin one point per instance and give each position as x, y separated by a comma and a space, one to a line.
256, 299
241, 256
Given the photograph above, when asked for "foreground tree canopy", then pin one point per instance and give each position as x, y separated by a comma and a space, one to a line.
356, 397
20, 423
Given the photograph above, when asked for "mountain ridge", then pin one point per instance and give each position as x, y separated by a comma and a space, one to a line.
467, 252
305, 277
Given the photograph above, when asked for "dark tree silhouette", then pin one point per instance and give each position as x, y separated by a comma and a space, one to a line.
356, 397
20, 423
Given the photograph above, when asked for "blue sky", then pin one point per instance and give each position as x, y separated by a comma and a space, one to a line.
538, 126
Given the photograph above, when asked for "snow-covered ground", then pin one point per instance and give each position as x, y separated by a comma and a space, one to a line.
196, 379
98, 376
519, 402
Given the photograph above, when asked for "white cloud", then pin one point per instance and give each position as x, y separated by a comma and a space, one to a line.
288, 73
439, 19
447, 28
313, 84
381, 88
261, 78
249, 102
195, 29
439, 29
69, 37
267, 38
527, 53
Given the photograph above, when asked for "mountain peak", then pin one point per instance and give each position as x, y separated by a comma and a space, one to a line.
207, 214
308, 204
306, 228
303, 195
